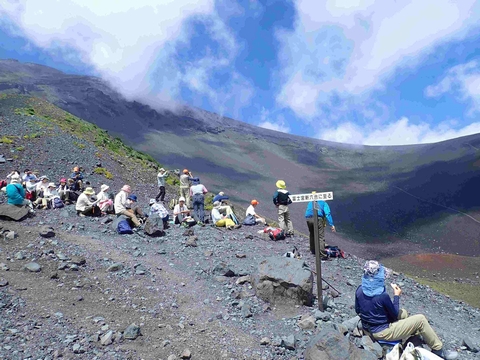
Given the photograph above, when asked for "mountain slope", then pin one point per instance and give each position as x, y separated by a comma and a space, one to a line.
388, 200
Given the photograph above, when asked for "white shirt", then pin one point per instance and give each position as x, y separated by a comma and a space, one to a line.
216, 215
120, 202
251, 211
102, 196
82, 202
177, 209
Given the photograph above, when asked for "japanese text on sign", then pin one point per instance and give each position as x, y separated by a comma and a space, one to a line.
325, 196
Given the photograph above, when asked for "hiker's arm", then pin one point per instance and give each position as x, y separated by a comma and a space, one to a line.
328, 215
391, 308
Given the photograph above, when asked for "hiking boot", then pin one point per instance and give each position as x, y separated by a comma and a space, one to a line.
445, 354
199, 223
238, 226
229, 227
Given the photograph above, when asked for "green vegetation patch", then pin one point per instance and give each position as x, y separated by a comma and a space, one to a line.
7, 139
79, 145
469, 293
31, 136
104, 172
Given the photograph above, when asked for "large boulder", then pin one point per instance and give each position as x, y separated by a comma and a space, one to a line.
13, 212
283, 280
329, 344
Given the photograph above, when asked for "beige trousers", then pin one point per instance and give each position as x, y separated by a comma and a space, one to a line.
131, 215
284, 221
408, 326
185, 192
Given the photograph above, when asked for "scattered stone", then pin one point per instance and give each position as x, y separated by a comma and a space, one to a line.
208, 253
243, 279
223, 269
241, 256
78, 260
352, 323
62, 257
371, 346
285, 281
10, 235
189, 232
107, 339
47, 232
33, 267
132, 332
54, 275
172, 357
115, 267
4, 267
20, 255
265, 341
191, 242
288, 342
469, 344
186, 354
3, 283
322, 315
307, 323
246, 311
107, 220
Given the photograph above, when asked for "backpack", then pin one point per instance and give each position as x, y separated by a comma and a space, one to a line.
249, 220
172, 203
57, 203
334, 252
276, 234
234, 218
123, 227
3, 183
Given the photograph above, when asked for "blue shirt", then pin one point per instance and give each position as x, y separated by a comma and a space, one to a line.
220, 198
323, 211
376, 312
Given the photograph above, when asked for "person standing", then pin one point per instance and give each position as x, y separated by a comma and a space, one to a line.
197, 192
185, 179
281, 199
324, 216
161, 177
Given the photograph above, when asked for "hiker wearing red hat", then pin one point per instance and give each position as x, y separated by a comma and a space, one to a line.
251, 212
185, 179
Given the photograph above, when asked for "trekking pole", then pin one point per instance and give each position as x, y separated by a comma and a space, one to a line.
313, 271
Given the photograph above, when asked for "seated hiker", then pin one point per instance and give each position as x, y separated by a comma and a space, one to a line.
383, 318
46, 196
161, 178
72, 193
31, 188
42, 185
63, 190
250, 213
122, 205
220, 220
86, 207
104, 202
77, 177
16, 193
135, 208
159, 211
221, 197
13, 173
181, 211
28, 175
197, 192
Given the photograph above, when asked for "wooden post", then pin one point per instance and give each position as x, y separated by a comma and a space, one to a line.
317, 257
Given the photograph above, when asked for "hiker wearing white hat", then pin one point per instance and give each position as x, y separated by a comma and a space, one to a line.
161, 178
104, 202
122, 205
180, 211
48, 193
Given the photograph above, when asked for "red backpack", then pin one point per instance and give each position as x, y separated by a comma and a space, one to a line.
275, 233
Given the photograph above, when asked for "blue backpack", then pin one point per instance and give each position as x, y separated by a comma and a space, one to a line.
123, 227
58, 203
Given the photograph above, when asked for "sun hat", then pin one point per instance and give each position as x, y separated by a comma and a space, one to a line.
373, 280
196, 180
126, 188
51, 185
132, 197
63, 180
281, 184
44, 177
221, 193
104, 187
89, 191
162, 169
217, 204
15, 179
151, 202
185, 171
254, 202
181, 199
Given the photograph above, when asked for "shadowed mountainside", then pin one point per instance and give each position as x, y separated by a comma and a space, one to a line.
407, 198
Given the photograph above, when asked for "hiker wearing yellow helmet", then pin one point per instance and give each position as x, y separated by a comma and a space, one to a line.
281, 199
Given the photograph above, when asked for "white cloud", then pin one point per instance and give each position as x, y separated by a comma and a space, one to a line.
278, 125
463, 81
401, 132
345, 48
133, 45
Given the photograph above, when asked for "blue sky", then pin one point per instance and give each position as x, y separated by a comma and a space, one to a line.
355, 71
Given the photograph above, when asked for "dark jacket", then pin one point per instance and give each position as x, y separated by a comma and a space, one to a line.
282, 197
220, 198
376, 312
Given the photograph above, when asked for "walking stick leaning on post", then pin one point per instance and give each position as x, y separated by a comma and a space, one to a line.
314, 198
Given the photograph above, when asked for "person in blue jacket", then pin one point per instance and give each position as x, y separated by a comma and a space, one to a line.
220, 197
16, 193
77, 177
384, 319
324, 216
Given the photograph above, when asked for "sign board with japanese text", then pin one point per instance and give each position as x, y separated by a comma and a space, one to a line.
325, 196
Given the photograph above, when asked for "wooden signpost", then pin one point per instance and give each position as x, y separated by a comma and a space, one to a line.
325, 196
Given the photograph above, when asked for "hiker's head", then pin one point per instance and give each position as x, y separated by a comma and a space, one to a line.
15, 179
76, 169
63, 181
196, 181
185, 171
281, 184
27, 171
162, 170
151, 202
127, 188
221, 193
217, 204
44, 179
181, 200
89, 191
373, 280
132, 198
254, 202
51, 185
104, 187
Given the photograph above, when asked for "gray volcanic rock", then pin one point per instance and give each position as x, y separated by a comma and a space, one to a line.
33, 267
284, 280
